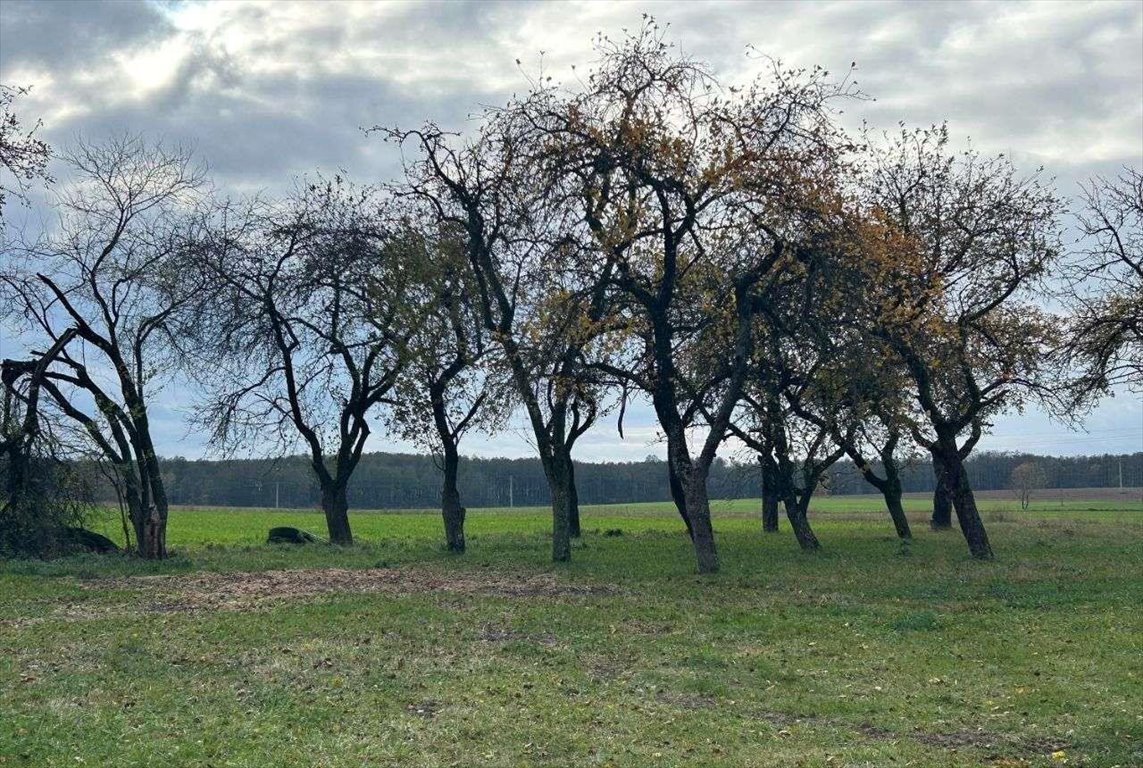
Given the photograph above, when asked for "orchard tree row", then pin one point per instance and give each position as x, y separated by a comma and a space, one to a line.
726, 253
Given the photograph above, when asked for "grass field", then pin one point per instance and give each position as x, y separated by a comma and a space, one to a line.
393, 653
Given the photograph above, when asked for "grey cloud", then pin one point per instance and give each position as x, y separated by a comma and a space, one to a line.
258, 129
71, 33
262, 132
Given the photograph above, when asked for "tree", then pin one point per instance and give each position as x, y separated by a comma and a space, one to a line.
688, 197
825, 380
114, 275
769, 488
450, 385
873, 422
23, 156
797, 454
941, 519
42, 497
313, 303
960, 244
543, 321
867, 421
867, 410
1026, 478
791, 426
1105, 338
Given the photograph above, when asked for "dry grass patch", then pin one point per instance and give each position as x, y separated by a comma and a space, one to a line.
250, 591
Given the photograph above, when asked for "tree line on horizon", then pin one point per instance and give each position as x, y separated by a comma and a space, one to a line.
726, 253
411, 481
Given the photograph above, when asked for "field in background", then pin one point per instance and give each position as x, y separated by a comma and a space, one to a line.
393, 653
203, 525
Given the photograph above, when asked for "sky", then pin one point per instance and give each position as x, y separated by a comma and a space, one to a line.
267, 91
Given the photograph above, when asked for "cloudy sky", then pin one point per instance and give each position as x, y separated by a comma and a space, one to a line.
269, 90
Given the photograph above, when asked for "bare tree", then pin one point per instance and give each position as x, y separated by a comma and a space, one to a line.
317, 298
1105, 340
1027, 478
22, 156
111, 277
38, 503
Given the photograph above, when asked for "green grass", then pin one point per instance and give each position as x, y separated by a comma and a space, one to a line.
196, 527
868, 653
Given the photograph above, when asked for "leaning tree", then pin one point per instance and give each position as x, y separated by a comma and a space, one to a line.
106, 288
959, 245
37, 467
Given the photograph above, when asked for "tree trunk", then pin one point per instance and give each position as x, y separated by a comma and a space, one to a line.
149, 527
890, 489
137, 513
573, 502
965, 503
688, 484
124, 516
796, 513
942, 498
451, 510
154, 544
769, 501
152, 535
698, 513
892, 494
770, 513
335, 505
147, 503
558, 473
678, 496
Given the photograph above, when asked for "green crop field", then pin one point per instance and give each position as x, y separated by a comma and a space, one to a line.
394, 653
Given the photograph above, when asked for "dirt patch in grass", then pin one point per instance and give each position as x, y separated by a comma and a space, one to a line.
984, 740
248, 591
492, 633
426, 709
959, 739
687, 700
953, 741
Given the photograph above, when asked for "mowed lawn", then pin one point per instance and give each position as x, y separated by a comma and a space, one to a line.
393, 653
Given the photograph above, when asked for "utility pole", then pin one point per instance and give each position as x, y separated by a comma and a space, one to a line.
275, 494
511, 492
1121, 473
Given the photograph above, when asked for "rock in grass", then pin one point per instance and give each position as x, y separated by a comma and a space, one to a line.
84, 540
287, 535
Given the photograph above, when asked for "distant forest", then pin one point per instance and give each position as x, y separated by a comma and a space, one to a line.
408, 481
